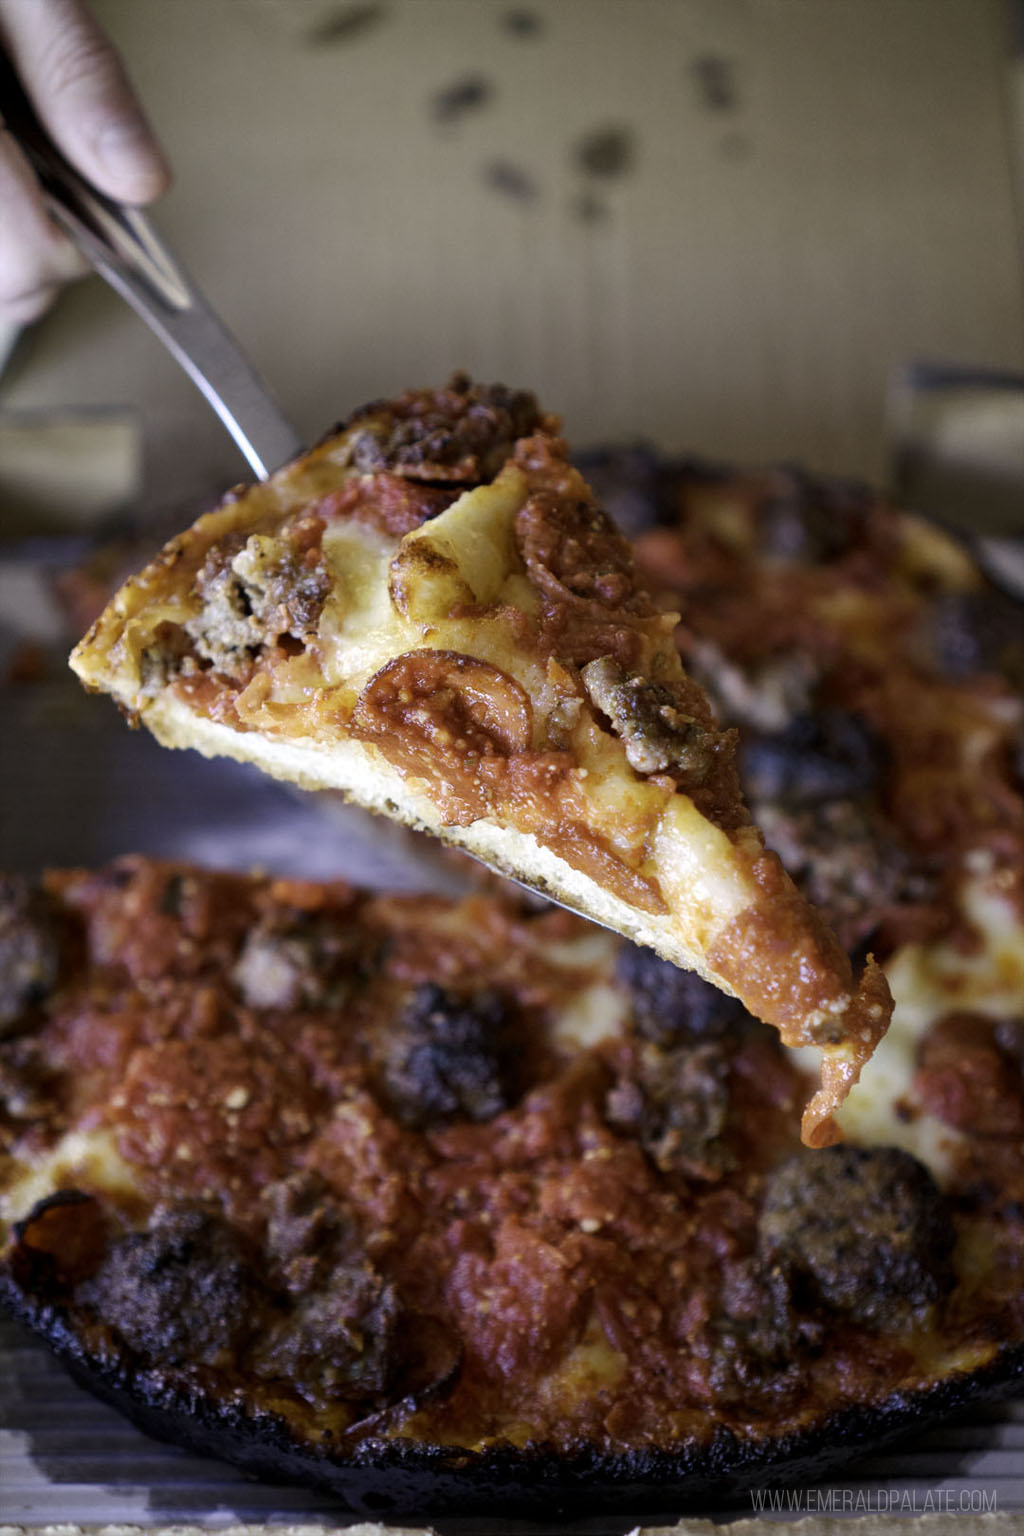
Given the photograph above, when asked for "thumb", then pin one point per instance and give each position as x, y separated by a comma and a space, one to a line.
80, 90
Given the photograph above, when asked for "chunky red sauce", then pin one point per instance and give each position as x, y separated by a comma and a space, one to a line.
566, 1218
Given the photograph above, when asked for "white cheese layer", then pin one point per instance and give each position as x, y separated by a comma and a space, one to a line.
79, 1159
929, 981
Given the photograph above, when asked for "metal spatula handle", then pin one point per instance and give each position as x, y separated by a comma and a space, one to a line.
122, 245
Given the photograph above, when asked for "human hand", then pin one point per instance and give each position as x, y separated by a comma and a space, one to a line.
79, 88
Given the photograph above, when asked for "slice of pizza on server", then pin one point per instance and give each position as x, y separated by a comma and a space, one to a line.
430, 613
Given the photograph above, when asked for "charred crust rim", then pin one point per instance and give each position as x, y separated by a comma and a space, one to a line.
188, 1291
395, 1475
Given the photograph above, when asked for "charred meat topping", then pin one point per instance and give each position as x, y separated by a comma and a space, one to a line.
338, 1340
182, 1291
809, 520
29, 952
977, 631
849, 860
306, 960
676, 1103
461, 434
653, 722
190, 1290
814, 790
256, 591
451, 1057
831, 754
307, 1231
760, 1344
863, 1229
671, 1006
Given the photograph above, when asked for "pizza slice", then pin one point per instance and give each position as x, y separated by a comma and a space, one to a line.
430, 613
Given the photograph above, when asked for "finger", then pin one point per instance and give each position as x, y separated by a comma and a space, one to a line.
81, 92
35, 258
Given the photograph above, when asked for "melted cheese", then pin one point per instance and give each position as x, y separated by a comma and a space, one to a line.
596, 1013
358, 623
589, 1366
390, 596
927, 982
79, 1159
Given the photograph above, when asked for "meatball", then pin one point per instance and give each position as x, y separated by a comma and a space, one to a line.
810, 520
182, 1291
450, 1057
671, 1006
863, 1230
981, 631
676, 1105
341, 1337
828, 755
29, 951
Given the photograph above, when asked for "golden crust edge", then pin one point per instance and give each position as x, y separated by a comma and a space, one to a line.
364, 776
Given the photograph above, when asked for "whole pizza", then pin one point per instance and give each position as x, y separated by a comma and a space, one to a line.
435, 1202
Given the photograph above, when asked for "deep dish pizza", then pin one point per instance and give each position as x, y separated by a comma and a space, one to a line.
431, 613
445, 1205
466, 1205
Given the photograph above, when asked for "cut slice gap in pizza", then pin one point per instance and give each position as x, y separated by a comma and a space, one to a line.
430, 613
